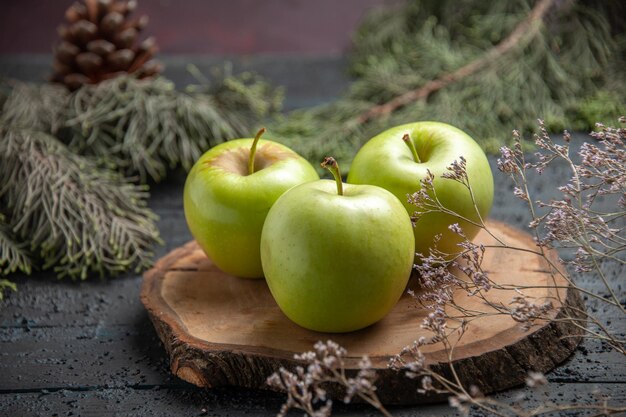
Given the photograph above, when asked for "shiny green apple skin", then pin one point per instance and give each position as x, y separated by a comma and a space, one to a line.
226, 208
386, 161
337, 263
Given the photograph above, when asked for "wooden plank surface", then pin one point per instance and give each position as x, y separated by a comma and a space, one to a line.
88, 348
167, 402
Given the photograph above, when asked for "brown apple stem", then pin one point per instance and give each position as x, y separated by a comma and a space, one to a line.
407, 139
332, 165
253, 150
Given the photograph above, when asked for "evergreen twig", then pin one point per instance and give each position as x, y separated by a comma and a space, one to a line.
146, 127
76, 218
522, 34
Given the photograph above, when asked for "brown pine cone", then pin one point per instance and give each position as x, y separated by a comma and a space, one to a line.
100, 41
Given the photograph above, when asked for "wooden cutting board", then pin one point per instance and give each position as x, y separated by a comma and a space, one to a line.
223, 330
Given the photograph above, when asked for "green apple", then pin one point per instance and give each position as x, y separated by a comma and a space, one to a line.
228, 194
388, 162
337, 257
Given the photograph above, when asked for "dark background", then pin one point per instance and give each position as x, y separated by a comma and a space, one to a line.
231, 27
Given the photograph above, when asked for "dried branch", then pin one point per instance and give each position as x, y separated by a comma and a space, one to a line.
305, 388
572, 222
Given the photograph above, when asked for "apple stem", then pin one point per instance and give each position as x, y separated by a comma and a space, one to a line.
253, 150
407, 139
331, 164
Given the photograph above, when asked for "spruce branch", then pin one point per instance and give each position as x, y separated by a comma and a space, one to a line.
521, 35
77, 218
146, 127
72, 212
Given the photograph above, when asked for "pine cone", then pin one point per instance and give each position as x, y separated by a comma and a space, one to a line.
100, 42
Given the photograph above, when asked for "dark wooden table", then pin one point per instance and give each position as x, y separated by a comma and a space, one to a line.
88, 348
